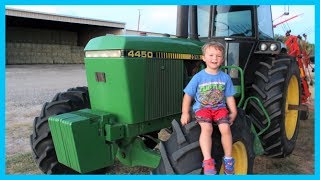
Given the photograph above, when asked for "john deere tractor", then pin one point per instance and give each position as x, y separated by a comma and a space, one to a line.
135, 89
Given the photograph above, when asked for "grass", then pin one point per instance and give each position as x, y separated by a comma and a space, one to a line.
118, 168
24, 164
21, 164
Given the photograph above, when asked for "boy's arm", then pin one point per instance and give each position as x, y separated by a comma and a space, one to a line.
231, 102
186, 103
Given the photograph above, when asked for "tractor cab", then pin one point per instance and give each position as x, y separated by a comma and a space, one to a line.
244, 30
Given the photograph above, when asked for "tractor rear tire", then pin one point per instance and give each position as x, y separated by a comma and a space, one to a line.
41, 141
277, 84
181, 153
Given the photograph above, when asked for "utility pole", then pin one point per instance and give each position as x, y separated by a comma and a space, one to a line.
139, 19
286, 11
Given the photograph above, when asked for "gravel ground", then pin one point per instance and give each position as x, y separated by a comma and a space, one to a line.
28, 87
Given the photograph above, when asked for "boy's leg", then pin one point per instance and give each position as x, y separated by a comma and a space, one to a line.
205, 142
204, 118
226, 140
221, 117
205, 139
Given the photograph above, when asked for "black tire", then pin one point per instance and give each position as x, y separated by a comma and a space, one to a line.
277, 84
42, 146
149, 139
181, 153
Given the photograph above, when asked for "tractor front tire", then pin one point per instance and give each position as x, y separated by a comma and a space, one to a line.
277, 85
181, 153
41, 141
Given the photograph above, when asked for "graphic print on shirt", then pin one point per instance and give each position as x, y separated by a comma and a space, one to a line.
211, 94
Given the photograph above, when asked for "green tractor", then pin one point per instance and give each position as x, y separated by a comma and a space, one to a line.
135, 89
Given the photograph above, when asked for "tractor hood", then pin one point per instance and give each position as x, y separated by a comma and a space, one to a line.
145, 43
138, 78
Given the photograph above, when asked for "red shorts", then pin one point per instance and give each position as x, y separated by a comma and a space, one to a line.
213, 115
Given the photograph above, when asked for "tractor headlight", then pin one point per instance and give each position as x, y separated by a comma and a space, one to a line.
263, 47
273, 47
268, 47
103, 54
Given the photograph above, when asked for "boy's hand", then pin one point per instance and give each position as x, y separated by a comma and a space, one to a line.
231, 102
232, 117
185, 118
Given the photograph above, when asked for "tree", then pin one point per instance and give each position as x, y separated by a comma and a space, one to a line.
309, 47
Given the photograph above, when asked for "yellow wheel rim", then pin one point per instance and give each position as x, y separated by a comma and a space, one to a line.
291, 116
240, 156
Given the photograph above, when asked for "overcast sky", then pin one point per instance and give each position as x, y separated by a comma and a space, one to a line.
162, 18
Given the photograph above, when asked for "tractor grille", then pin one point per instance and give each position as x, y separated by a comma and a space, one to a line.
164, 88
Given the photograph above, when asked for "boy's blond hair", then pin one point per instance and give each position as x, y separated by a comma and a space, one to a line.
215, 44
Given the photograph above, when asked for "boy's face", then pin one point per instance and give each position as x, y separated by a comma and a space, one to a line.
213, 58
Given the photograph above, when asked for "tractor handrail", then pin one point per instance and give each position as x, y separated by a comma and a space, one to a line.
262, 108
241, 82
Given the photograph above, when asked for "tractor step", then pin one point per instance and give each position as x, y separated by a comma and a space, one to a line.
301, 107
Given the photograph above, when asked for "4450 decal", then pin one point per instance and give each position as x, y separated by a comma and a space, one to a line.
160, 55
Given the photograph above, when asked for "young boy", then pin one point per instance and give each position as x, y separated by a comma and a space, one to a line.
212, 89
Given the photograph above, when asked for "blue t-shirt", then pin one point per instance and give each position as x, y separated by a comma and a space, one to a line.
209, 91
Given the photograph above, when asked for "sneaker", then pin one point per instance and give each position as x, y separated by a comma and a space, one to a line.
228, 166
208, 167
